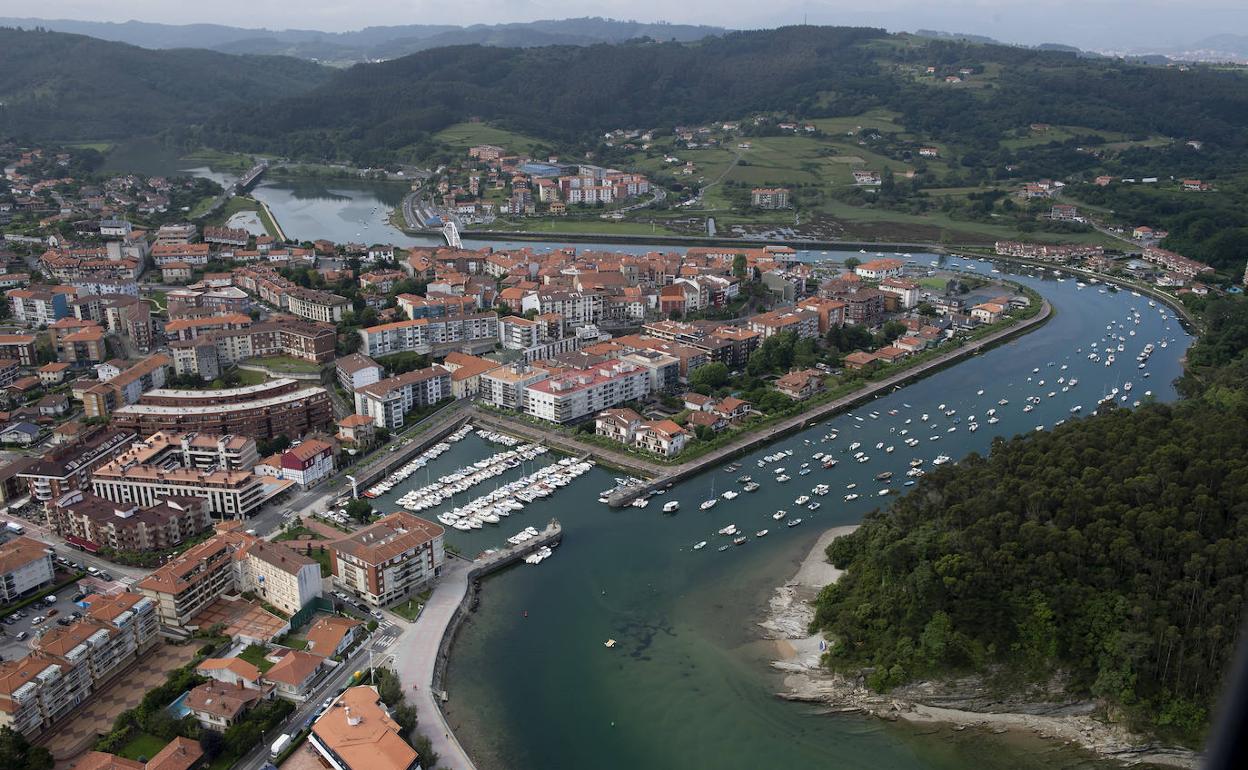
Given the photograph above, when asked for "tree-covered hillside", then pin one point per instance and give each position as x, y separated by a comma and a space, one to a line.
568, 94
1114, 549
55, 86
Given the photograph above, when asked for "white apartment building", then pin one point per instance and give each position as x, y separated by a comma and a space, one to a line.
427, 335
506, 386
389, 400
577, 308
574, 395
25, 565
516, 333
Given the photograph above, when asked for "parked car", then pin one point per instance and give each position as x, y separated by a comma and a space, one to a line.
22, 636
377, 614
53, 612
38, 619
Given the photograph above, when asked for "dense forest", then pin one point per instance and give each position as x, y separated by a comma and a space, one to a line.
1113, 550
372, 112
55, 86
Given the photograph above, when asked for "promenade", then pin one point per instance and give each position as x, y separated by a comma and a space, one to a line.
424, 646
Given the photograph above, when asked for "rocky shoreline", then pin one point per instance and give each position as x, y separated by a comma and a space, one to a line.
961, 704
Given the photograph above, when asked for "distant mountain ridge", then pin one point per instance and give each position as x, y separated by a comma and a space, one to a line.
55, 86
369, 43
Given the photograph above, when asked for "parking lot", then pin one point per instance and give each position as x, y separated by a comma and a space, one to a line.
28, 621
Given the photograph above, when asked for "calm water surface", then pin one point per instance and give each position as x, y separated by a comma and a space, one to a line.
688, 684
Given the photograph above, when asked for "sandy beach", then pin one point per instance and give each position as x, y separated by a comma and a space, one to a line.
798, 655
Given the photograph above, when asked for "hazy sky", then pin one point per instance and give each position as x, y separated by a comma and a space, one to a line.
1088, 23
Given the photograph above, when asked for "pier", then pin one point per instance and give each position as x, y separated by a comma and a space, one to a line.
426, 644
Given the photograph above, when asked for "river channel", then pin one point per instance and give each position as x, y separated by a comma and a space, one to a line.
687, 685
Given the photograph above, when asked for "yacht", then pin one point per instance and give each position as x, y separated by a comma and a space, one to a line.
941, 460
708, 504
802, 500
730, 495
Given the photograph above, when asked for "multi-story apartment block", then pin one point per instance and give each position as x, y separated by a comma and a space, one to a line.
573, 395
127, 386
466, 333
69, 664
517, 333
803, 323
769, 197
280, 406
506, 387
388, 400
357, 370
388, 559
231, 561
25, 566
19, 347
91, 522
40, 306
316, 305
69, 466
577, 308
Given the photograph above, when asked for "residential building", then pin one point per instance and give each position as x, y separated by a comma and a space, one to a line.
217, 706
907, 292
230, 562
576, 394
282, 406
803, 323
331, 635
316, 305
19, 347
618, 424
662, 369
507, 386
357, 733
25, 565
90, 522
69, 466
307, 465
800, 385
357, 370
516, 333
879, 269
231, 671
389, 559
769, 198
358, 429
987, 312
466, 373
663, 437
467, 333
127, 386
389, 400
40, 306
295, 674
831, 312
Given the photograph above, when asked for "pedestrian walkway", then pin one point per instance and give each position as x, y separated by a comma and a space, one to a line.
417, 658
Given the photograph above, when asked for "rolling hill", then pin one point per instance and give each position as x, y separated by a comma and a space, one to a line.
370, 43
55, 86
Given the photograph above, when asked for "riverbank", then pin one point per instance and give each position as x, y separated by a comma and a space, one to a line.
962, 704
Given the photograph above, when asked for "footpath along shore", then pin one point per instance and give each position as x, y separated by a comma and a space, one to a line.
961, 704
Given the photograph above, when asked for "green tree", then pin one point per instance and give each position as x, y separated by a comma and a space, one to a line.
360, 510
708, 377
739, 266
17, 752
852, 262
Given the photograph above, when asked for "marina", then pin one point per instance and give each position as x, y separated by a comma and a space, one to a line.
677, 597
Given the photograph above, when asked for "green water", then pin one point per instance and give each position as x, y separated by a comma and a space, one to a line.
688, 684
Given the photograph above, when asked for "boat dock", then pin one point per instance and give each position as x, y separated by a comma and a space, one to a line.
446, 423
671, 475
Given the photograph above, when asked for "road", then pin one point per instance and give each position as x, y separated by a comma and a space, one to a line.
379, 644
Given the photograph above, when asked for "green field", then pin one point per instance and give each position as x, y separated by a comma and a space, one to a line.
143, 745
465, 135
254, 654
286, 364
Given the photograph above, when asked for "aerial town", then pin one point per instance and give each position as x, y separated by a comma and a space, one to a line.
198, 421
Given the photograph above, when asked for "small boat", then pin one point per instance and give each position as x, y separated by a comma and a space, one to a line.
671, 506
730, 495
698, 546
793, 522
608, 644
723, 548
778, 515
708, 504
731, 529
885, 492
761, 533
885, 476
851, 497
740, 540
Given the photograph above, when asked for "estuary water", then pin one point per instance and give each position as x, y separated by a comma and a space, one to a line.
688, 685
